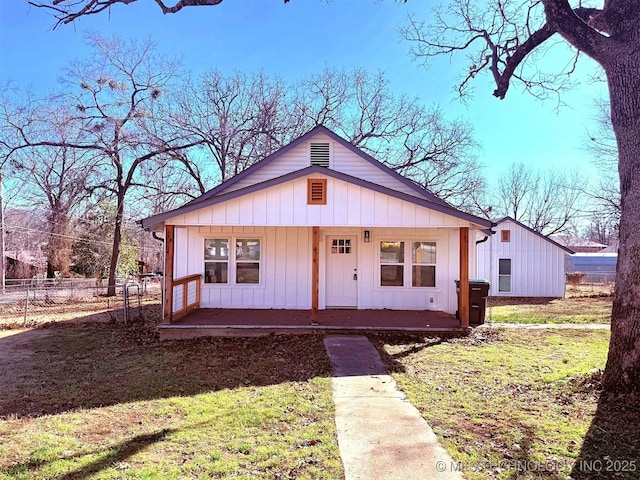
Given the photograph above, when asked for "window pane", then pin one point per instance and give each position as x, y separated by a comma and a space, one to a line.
248, 273
215, 272
216, 249
504, 266
391, 275
423, 252
423, 276
247, 249
391, 252
504, 283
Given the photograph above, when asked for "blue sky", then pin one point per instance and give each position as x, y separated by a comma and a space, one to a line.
301, 38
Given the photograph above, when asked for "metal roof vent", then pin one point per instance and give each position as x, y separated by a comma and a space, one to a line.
320, 154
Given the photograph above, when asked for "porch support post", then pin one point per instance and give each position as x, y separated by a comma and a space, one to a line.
167, 308
463, 300
315, 273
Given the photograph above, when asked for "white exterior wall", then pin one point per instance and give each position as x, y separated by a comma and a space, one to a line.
537, 266
285, 271
285, 204
341, 159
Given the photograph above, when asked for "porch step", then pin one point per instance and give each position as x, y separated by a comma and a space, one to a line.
184, 332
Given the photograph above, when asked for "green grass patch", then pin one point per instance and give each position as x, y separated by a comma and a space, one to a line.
107, 402
507, 403
561, 310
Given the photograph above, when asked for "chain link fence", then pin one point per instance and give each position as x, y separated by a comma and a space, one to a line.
37, 302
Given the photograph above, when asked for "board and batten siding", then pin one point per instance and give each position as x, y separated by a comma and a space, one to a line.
285, 204
537, 266
342, 159
285, 276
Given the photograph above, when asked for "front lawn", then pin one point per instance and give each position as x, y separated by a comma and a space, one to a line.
595, 309
517, 404
108, 401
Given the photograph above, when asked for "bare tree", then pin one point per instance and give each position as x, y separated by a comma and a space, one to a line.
505, 40
602, 229
548, 202
409, 137
117, 96
54, 178
66, 11
118, 92
240, 119
602, 145
237, 119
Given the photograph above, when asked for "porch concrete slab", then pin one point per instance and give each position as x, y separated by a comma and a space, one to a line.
225, 322
381, 435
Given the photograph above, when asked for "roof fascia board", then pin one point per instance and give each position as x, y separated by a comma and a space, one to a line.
538, 234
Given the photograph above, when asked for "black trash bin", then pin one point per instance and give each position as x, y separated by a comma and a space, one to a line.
478, 293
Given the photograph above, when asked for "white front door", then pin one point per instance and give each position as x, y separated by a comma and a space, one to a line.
342, 272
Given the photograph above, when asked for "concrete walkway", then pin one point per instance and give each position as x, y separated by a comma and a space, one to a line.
381, 435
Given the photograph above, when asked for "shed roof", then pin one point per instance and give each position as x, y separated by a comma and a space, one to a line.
531, 230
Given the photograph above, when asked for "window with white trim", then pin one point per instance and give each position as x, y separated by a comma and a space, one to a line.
232, 260
216, 260
415, 268
423, 264
504, 275
392, 264
247, 260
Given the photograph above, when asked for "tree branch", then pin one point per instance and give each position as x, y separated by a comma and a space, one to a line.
565, 20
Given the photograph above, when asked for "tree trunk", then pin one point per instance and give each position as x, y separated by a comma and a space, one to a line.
622, 373
115, 252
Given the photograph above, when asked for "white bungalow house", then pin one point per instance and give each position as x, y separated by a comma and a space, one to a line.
317, 225
520, 262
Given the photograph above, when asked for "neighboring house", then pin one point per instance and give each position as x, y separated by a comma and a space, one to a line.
24, 264
579, 245
319, 224
597, 267
520, 262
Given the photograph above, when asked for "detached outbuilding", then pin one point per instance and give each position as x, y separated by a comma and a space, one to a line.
317, 225
520, 262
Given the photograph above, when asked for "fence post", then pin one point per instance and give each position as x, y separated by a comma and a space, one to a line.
125, 302
26, 307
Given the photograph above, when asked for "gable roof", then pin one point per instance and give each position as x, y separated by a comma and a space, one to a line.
337, 138
538, 234
445, 208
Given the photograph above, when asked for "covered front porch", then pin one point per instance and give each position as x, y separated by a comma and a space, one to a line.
185, 316
223, 322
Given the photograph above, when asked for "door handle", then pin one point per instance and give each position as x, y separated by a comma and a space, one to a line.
355, 274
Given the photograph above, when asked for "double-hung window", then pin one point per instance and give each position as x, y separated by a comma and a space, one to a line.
223, 264
391, 264
415, 268
423, 264
504, 275
216, 260
248, 260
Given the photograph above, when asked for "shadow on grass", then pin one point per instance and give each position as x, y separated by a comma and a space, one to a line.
113, 455
405, 345
611, 447
93, 364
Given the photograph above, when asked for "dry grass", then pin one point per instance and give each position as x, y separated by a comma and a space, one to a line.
104, 400
577, 309
520, 404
